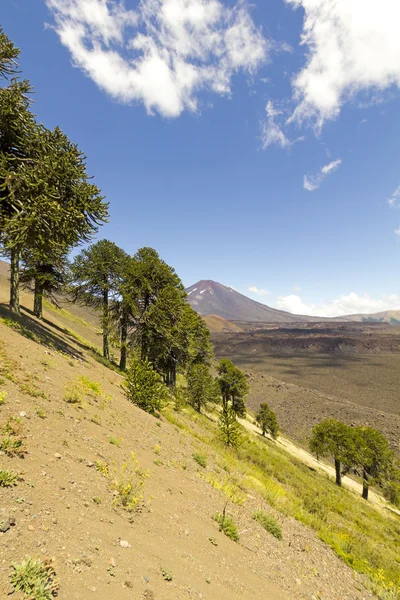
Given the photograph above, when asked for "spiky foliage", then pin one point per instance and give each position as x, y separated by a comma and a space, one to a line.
145, 388
35, 578
201, 388
233, 385
230, 429
96, 275
266, 419
334, 439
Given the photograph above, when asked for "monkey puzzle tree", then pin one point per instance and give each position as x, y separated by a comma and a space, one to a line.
16, 129
230, 429
266, 419
374, 456
96, 275
201, 388
233, 385
332, 438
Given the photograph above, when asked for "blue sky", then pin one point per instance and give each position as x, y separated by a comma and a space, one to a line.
256, 145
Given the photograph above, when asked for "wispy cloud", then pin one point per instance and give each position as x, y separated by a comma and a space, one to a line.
312, 182
349, 304
165, 53
272, 129
258, 291
394, 200
271, 133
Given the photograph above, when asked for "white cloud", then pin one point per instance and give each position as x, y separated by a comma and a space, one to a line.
312, 182
271, 133
394, 200
343, 305
397, 231
354, 46
165, 53
258, 291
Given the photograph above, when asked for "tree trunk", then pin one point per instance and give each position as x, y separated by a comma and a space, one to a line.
338, 473
14, 282
38, 300
365, 485
106, 349
124, 337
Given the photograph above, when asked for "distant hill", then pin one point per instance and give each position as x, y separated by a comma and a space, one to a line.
212, 298
392, 317
217, 324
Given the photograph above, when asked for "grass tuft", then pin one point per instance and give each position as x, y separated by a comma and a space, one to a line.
35, 578
268, 523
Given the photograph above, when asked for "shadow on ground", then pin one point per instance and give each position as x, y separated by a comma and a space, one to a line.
30, 327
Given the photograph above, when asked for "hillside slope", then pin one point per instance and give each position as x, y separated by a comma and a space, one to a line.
63, 505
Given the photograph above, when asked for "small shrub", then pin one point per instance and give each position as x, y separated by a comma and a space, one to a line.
35, 578
8, 478
91, 387
115, 442
227, 525
201, 459
73, 393
167, 574
40, 413
145, 388
129, 482
97, 500
3, 396
102, 468
13, 441
157, 449
268, 523
32, 390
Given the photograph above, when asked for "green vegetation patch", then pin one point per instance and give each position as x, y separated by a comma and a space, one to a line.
227, 525
268, 523
35, 578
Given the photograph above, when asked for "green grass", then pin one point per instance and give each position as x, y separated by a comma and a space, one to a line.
363, 536
227, 525
35, 579
268, 523
115, 442
8, 478
201, 459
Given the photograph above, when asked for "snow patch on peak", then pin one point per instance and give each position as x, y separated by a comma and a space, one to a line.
192, 291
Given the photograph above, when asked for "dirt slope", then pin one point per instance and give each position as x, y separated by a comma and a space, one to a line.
217, 324
56, 514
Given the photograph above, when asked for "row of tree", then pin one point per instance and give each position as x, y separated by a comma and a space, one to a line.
48, 203
143, 304
362, 450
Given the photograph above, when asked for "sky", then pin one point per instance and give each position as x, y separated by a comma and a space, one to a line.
254, 144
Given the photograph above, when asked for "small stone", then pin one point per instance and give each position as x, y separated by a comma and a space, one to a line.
57, 455
22, 413
124, 544
90, 463
112, 562
31, 528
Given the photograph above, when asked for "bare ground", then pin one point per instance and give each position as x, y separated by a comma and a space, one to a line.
56, 515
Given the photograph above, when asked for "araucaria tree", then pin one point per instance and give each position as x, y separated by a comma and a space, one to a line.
336, 440
201, 388
96, 275
374, 457
233, 385
47, 204
230, 428
145, 388
266, 419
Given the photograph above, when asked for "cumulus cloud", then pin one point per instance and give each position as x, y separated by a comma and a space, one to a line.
343, 305
394, 200
258, 291
164, 53
312, 182
353, 46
